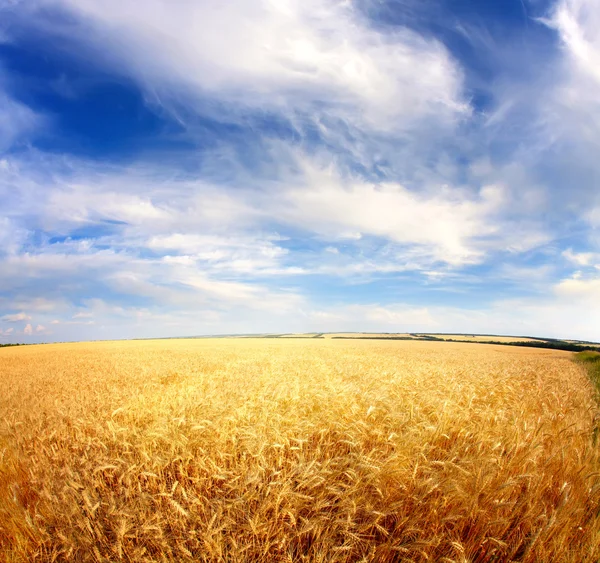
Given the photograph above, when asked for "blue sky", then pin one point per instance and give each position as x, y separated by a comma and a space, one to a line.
197, 167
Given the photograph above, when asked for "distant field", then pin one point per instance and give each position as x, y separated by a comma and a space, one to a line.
569, 345
420, 335
360, 334
243, 450
303, 335
480, 338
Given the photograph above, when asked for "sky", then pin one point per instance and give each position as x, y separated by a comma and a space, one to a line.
196, 167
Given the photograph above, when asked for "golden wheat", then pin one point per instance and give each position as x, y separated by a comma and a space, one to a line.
241, 450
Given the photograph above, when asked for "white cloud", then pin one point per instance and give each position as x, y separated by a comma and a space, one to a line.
593, 217
40, 328
17, 121
574, 109
81, 204
582, 258
581, 289
283, 54
39, 305
6, 332
249, 254
333, 209
28, 330
234, 231
82, 315
577, 22
450, 225
11, 236
47, 263
15, 318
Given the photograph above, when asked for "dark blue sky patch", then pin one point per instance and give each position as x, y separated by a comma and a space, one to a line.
89, 232
93, 114
107, 116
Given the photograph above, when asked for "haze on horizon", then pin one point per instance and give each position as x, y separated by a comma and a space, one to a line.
279, 166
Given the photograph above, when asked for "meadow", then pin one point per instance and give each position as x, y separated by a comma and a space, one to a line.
320, 450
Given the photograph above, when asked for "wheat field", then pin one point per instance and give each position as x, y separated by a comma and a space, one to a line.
235, 450
481, 338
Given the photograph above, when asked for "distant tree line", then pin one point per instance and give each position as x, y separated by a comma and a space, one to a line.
538, 343
554, 344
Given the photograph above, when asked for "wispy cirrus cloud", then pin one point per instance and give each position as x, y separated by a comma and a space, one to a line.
577, 22
184, 228
15, 318
582, 259
291, 56
17, 121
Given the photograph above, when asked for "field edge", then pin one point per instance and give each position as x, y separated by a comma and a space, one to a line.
591, 362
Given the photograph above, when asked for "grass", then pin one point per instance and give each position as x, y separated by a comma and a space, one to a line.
296, 450
591, 361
